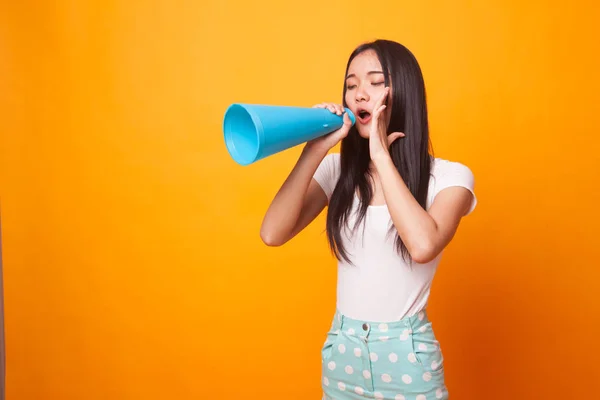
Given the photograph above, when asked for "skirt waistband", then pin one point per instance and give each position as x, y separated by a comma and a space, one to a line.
403, 327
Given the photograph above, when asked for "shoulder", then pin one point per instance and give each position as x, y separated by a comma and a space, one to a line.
442, 168
449, 173
331, 164
333, 158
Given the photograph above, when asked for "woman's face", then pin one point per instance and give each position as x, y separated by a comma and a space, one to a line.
364, 86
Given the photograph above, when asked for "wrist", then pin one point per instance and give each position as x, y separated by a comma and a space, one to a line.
382, 159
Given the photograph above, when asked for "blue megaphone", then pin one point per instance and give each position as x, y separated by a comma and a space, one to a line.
254, 131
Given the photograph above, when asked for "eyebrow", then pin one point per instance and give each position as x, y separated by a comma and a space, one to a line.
368, 73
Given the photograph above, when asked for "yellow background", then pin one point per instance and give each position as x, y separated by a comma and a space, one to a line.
132, 260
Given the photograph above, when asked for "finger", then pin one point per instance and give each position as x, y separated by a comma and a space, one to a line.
339, 109
393, 136
347, 125
385, 96
347, 120
379, 111
381, 100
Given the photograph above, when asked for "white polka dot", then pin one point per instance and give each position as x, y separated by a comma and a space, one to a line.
421, 397
383, 327
412, 358
360, 391
393, 357
348, 369
421, 316
384, 338
326, 381
331, 365
373, 357
378, 395
399, 397
406, 379
341, 386
404, 335
427, 376
386, 378
423, 328
337, 331
357, 352
422, 347
366, 374
342, 348
439, 393
434, 365
351, 331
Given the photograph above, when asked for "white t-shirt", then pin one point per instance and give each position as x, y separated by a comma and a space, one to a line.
380, 286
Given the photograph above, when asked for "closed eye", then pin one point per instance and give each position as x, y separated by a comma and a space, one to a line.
349, 87
377, 83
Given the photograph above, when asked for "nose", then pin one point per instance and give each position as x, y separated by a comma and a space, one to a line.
361, 95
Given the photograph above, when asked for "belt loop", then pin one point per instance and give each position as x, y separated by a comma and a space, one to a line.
409, 323
340, 320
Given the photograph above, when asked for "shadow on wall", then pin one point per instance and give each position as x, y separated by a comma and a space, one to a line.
504, 325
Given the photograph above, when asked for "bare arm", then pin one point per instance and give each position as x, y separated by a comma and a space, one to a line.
297, 203
425, 233
300, 199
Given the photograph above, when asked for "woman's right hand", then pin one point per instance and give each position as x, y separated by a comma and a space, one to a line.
326, 142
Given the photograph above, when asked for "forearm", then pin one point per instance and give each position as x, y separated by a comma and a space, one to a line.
284, 211
416, 227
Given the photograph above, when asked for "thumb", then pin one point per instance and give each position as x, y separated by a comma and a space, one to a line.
347, 120
393, 136
347, 123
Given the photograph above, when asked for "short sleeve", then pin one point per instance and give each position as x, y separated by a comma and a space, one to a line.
449, 173
328, 173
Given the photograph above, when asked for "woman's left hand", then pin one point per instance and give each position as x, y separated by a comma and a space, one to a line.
379, 140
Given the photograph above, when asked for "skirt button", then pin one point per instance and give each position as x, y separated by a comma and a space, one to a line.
365, 327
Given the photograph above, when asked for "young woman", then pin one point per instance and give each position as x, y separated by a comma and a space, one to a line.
392, 209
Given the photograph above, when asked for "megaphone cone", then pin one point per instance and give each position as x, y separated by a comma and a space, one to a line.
254, 131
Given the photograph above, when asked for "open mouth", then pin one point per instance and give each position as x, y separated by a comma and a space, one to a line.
364, 116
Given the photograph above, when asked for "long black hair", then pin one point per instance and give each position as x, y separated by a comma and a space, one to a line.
410, 154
